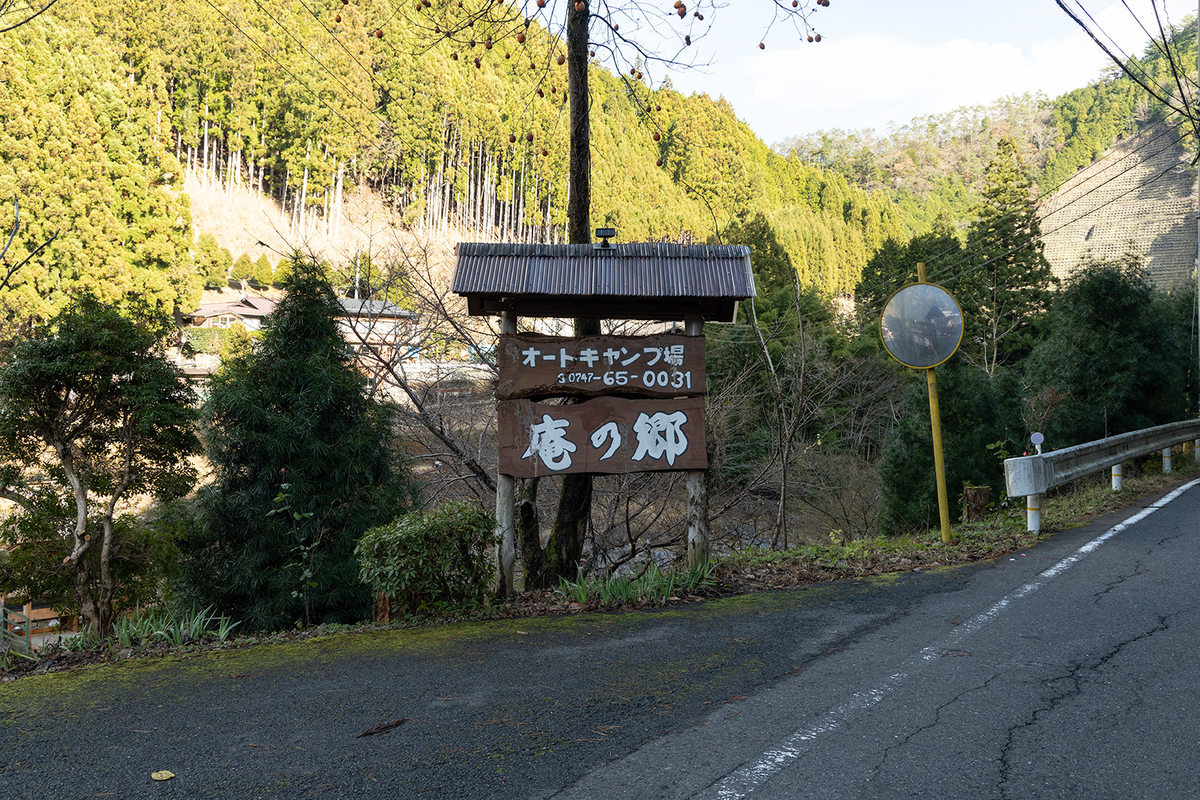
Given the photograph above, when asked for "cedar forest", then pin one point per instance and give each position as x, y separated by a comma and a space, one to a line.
105, 106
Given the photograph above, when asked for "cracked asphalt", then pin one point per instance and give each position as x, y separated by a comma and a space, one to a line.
1056, 673
1051, 674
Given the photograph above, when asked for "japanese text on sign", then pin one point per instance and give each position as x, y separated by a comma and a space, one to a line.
657, 366
604, 435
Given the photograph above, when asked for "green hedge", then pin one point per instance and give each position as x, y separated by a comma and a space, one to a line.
205, 340
431, 561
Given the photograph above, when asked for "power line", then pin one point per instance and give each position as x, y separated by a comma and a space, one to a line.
1026, 242
1044, 234
1130, 60
1186, 112
1161, 47
1140, 82
312, 92
22, 12
1065, 181
1098, 186
965, 256
1183, 94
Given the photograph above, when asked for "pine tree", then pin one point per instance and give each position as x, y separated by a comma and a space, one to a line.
1005, 287
304, 462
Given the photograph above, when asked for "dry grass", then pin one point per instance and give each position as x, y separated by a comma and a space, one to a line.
244, 221
1001, 533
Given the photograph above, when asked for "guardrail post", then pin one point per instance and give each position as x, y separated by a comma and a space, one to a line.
1196, 450
1033, 513
1166, 460
1117, 478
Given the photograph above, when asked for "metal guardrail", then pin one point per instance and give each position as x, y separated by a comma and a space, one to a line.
1031, 476
15, 628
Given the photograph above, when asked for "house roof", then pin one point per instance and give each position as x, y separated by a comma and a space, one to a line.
247, 306
373, 308
649, 281
253, 306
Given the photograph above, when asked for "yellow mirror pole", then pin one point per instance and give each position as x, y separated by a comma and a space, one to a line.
939, 466
935, 419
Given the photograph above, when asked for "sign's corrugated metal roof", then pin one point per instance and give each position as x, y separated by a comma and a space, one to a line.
638, 270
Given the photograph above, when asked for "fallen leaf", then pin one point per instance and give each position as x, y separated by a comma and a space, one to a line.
162, 775
382, 727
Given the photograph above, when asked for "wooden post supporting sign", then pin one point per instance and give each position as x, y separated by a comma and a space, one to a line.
697, 490
506, 505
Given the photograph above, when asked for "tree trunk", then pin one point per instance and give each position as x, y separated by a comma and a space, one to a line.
529, 536
76, 562
580, 169
575, 504
108, 583
81, 587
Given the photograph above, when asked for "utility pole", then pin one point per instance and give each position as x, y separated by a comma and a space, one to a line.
1196, 444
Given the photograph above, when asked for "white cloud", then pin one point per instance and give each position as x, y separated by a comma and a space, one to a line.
873, 77
899, 80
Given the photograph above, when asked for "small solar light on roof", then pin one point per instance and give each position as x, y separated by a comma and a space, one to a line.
604, 234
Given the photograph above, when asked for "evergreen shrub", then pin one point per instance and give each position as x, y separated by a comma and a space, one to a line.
1116, 358
431, 560
204, 340
981, 423
290, 426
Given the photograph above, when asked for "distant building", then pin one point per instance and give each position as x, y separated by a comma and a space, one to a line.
381, 324
249, 310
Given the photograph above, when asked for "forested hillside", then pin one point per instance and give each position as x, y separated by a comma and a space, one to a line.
104, 105
932, 166
82, 150
115, 116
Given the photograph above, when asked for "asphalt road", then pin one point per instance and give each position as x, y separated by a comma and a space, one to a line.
1067, 671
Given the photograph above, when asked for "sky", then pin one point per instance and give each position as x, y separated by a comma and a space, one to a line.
887, 61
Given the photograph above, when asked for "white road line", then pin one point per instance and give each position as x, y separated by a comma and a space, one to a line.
746, 779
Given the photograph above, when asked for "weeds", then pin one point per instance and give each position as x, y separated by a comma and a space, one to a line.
653, 587
11, 657
149, 628
1002, 532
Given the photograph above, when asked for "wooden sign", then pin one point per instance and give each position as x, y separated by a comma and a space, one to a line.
606, 435
668, 365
